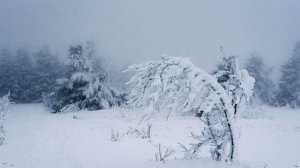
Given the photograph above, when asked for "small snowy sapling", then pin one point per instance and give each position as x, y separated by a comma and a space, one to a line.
4, 107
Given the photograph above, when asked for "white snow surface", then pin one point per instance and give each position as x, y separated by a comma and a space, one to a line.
38, 139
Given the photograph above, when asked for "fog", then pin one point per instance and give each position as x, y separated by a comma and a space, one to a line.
132, 31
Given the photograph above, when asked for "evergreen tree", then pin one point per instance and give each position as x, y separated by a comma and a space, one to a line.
289, 85
83, 88
264, 89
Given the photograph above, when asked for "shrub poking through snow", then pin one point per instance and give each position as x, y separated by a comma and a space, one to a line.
162, 154
175, 83
144, 133
2, 134
4, 103
114, 136
83, 88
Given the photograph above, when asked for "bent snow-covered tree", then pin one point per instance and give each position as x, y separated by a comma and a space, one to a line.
174, 82
4, 103
237, 83
83, 88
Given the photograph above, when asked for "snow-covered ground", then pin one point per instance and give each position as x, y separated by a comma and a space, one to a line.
39, 139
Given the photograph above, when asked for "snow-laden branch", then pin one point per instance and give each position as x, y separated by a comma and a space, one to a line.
174, 82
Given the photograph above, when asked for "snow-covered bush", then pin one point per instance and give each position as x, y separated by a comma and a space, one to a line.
4, 104
237, 83
174, 82
83, 88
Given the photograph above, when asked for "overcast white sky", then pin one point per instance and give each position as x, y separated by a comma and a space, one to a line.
131, 31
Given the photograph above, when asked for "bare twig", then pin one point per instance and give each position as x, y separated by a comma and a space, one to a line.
161, 155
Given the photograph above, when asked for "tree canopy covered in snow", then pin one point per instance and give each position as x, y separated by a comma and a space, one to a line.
83, 88
237, 82
175, 83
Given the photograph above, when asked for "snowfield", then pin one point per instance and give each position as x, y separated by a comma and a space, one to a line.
38, 139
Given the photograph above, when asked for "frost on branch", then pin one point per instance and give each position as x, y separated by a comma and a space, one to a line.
4, 105
237, 83
174, 82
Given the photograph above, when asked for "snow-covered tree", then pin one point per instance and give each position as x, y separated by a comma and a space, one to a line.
237, 82
289, 86
4, 103
264, 89
83, 88
174, 82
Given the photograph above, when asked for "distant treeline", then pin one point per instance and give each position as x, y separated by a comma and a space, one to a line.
286, 92
27, 75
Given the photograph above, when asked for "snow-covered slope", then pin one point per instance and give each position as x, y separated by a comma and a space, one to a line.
39, 139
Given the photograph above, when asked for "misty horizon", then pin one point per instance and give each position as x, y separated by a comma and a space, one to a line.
128, 32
